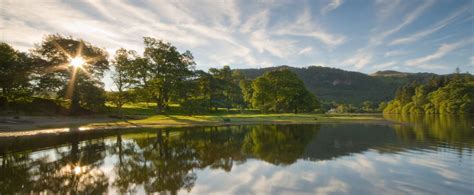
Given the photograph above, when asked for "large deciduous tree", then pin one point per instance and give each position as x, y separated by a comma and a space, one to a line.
282, 91
163, 70
81, 83
124, 70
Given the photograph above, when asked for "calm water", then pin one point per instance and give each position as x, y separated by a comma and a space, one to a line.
432, 155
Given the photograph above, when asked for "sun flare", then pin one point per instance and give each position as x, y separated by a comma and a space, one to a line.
77, 62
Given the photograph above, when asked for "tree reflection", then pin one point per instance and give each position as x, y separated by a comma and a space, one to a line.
453, 129
167, 160
73, 169
277, 144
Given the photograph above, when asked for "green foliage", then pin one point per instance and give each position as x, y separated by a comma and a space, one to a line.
382, 106
165, 71
15, 70
81, 85
282, 91
368, 106
454, 95
194, 106
331, 84
123, 65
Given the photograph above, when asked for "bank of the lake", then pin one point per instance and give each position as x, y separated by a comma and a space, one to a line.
25, 125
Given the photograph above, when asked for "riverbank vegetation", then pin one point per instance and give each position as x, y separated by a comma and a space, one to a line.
449, 95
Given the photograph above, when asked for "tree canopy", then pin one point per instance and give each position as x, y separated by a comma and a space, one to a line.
439, 96
282, 91
81, 84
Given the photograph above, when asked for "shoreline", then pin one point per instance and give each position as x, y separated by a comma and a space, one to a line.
66, 125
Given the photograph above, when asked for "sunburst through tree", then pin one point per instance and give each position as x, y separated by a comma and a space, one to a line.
73, 69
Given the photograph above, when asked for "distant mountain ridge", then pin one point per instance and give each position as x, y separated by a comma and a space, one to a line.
332, 84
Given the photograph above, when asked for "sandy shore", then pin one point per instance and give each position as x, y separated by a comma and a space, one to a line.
24, 123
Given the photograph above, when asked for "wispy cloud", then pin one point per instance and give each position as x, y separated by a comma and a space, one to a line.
439, 25
305, 50
243, 34
412, 16
261, 41
385, 65
257, 21
385, 8
360, 60
304, 26
393, 53
333, 4
443, 50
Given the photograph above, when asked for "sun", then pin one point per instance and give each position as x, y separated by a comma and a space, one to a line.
77, 62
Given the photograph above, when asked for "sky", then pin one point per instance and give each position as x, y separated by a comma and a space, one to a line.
357, 35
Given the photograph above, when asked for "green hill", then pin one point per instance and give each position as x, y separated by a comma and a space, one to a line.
332, 84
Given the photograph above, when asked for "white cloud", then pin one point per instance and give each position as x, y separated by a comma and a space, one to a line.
305, 50
394, 53
439, 25
385, 8
443, 50
279, 48
334, 185
304, 26
385, 65
334, 4
472, 60
360, 60
412, 16
256, 21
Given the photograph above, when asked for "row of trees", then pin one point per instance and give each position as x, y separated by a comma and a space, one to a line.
161, 74
196, 91
448, 94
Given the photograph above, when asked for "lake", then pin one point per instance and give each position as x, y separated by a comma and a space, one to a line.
420, 154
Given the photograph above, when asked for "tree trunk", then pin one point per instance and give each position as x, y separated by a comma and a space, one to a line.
75, 106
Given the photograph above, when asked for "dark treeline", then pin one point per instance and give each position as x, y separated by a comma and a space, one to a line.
62, 75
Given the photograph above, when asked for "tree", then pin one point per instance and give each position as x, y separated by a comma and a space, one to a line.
382, 106
367, 106
122, 77
282, 91
247, 91
15, 71
226, 90
72, 82
162, 70
447, 95
262, 94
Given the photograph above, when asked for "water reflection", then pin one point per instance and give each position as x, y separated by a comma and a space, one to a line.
442, 128
435, 153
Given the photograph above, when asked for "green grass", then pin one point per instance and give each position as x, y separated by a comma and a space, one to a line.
237, 118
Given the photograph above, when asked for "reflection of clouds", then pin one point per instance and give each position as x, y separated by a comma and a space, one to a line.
367, 173
393, 159
361, 165
437, 165
334, 185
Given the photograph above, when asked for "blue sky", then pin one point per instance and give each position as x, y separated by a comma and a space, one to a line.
358, 35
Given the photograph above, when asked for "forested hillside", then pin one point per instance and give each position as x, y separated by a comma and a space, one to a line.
331, 84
